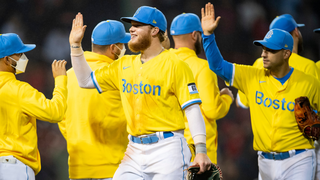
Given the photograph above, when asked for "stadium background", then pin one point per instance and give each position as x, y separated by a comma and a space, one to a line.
47, 24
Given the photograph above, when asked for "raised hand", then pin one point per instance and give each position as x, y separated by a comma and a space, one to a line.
59, 68
208, 21
77, 31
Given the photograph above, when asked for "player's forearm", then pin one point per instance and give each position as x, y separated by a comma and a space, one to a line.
81, 67
216, 62
197, 127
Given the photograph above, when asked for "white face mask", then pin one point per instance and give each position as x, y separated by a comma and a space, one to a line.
122, 51
21, 64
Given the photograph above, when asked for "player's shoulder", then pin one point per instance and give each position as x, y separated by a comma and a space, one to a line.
304, 76
258, 63
301, 60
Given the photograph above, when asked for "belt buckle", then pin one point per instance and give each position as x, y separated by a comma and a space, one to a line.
141, 137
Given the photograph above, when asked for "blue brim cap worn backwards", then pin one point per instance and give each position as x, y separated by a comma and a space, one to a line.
148, 15
185, 23
109, 32
276, 39
284, 22
316, 30
11, 43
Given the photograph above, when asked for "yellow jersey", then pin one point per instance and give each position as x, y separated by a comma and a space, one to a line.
20, 106
214, 106
296, 61
153, 94
94, 127
272, 106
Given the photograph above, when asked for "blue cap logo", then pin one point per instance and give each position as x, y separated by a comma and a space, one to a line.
148, 15
185, 23
284, 22
269, 34
276, 39
11, 43
109, 32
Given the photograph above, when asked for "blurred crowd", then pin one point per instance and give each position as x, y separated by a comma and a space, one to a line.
47, 24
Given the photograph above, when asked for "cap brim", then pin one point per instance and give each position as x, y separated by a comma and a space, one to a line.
129, 19
126, 38
300, 25
317, 30
26, 48
266, 44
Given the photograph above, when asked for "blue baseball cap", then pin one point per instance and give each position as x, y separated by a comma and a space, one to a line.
316, 30
276, 39
284, 22
148, 15
185, 23
109, 32
11, 43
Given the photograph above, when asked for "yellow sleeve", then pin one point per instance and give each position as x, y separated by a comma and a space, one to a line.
35, 104
62, 127
106, 78
184, 85
242, 100
214, 106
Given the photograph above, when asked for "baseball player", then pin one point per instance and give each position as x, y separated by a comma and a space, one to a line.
20, 106
95, 124
284, 153
287, 23
186, 32
156, 90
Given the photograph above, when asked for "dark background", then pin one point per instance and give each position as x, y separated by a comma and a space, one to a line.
47, 24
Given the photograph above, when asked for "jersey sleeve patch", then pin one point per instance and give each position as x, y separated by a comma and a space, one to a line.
192, 88
96, 84
188, 103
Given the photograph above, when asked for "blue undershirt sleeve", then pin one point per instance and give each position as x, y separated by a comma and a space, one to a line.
217, 64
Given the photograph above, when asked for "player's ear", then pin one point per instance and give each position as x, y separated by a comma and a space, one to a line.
194, 36
155, 31
295, 32
287, 54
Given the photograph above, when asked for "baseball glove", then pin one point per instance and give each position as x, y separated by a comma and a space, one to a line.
308, 121
214, 173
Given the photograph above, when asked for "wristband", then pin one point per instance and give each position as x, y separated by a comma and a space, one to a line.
201, 148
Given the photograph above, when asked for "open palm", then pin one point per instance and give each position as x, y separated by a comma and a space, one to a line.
208, 21
77, 31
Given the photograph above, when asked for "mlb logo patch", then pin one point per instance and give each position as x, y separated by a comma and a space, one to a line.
192, 88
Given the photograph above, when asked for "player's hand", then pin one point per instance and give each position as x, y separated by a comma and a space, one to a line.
77, 31
228, 92
59, 68
208, 21
203, 161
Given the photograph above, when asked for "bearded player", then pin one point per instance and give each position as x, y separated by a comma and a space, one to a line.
156, 89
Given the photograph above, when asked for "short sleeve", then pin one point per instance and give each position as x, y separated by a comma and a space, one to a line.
106, 78
184, 86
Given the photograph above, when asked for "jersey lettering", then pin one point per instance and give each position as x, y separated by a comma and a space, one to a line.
140, 88
268, 102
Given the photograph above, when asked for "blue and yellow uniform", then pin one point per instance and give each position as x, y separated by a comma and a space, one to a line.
270, 101
94, 127
151, 104
214, 106
296, 61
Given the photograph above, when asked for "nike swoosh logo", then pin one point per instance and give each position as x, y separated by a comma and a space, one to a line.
262, 81
126, 67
